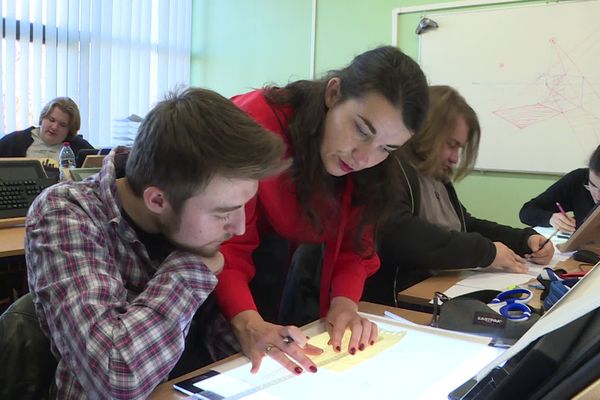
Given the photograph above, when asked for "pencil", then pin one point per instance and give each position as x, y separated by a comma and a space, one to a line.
562, 210
547, 240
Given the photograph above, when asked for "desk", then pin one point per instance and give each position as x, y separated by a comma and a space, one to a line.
12, 282
12, 241
417, 297
165, 391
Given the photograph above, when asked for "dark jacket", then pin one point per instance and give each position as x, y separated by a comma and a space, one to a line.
15, 144
410, 248
568, 191
28, 365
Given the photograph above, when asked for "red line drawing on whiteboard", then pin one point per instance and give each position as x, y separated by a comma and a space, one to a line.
562, 91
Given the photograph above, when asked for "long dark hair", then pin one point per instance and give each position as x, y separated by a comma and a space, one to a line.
385, 70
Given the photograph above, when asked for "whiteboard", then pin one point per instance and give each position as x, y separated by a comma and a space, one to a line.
532, 74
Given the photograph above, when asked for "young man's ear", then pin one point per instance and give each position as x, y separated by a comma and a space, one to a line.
333, 91
155, 200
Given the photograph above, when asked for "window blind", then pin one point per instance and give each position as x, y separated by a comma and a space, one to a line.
113, 58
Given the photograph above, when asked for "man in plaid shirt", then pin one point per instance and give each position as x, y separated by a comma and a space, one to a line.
117, 266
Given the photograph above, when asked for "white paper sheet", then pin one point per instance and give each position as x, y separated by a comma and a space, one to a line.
482, 280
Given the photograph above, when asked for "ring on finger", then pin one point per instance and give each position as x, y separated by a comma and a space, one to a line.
268, 348
287, 339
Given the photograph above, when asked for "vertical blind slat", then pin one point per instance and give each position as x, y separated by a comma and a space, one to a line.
11, 51
37, 70
114, 58
22, 72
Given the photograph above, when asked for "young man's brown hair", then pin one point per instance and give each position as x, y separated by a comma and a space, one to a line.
192, 136
69, 107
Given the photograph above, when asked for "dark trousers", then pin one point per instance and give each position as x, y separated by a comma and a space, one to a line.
209, 339
301, 294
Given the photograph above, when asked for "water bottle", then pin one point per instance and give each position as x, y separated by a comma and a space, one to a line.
66, 158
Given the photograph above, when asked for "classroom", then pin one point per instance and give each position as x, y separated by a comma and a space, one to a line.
530, 105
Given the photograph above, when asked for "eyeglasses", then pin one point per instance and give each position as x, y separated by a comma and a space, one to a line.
592, 188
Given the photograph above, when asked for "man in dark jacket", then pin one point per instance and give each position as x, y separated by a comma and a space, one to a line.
431, 229
59, 122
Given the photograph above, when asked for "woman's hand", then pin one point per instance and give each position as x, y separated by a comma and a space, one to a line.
540, 255
343, 315
563, 222
508, 260
287, 345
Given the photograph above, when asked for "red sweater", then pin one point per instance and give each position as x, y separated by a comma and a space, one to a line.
275, 208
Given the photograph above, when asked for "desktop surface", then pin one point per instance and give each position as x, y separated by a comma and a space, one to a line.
12, 241
418, 296
230, 368
165, 391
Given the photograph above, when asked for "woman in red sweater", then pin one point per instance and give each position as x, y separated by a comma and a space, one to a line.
339, 131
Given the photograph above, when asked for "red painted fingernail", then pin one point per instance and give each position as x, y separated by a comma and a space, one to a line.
361, 347
313, 368
298, 370
352, 350
338, 348
372, 342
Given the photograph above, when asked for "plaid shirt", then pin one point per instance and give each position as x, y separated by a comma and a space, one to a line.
116, 321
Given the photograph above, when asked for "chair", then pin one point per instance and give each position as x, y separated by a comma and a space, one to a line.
28, 365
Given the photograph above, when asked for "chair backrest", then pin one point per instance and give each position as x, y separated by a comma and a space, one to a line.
28, 366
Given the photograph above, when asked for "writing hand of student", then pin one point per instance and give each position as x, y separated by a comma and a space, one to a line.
540, 255
508, 260
258, 338
342, 315
563, 222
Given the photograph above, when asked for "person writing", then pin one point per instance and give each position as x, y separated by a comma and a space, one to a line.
339, 132
578, 191
430, 228
118, 264
59, 122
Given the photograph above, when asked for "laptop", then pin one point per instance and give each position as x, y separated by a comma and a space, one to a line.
84, 153
79, 174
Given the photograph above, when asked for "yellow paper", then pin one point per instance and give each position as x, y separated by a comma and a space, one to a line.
343, 360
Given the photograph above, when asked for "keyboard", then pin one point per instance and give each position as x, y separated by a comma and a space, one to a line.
20, 182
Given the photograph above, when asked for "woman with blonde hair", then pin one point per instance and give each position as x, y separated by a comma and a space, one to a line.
431, 229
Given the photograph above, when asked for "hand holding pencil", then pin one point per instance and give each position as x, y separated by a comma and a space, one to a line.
562, 221
541, 247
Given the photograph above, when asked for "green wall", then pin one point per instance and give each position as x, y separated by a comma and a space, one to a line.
242, 44
238, 45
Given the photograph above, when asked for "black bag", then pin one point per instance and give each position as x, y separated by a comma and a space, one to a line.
470, 313
558, 365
